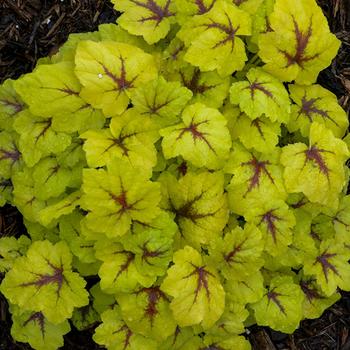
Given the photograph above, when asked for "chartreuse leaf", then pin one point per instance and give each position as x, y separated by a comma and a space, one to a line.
109, 31
199, 297
34, 328
317, 170
315, 302
276, 221
182, 338
147, 312
200, 206
314, 103
10, 156
118, 271
101, 301
261, 94
161, 100
238, 254
62, 207
130, 137
207, 87
300, 44
43, 281
110, 71
186, 9
10, 105
69, 230
213, 39
150, 18
37, 138
250, 290
152, 248
116, 335
281, 306
38, 232
117, 196
232, 342
201, 138
10, 249
330, 267
256, 178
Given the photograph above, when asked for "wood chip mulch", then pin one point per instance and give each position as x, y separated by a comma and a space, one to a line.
36, 28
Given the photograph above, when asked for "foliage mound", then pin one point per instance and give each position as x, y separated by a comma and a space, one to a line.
181, 177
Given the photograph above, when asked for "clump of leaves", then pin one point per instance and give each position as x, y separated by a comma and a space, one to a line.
186, 162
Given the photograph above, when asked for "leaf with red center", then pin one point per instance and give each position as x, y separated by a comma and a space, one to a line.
314, 103
130, 137
10, 156
37, 138
201, 138
10, 104
148, 313
114, 333
118, 272
162, 101
118, 196
109, 72
296, 48
45, 274
317, 170
315, 302
33, 328
238, 254
261, 94
256, 178
281, 307
150, 18
207, 87
199, 204
330, 267
276, 221
213, 39
199, 298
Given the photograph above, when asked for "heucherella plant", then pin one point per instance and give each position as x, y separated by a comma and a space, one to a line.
181, 177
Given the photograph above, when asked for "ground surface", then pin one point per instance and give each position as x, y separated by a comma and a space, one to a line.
36, 28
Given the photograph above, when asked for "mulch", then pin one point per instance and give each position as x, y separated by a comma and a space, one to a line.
30, 29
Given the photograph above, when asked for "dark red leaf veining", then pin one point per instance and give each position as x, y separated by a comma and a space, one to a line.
123, 267
314, 155
37, 317
239, 2
182, 168
302, 40
273, 296
229, 30
269, 219
46, 279
229, 257
122, 201
154, 295
212, 347
308, 108
202, 8
13, 155
149, 254
323, 259
158, 12
121, 82
259, 168
256, 86
16, 106
46, 126
196, 134
310, 293
257, 124
176, 334
202, 276
69, 91
193, 84
128, 335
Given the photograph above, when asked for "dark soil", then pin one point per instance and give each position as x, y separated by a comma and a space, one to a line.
30, 29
